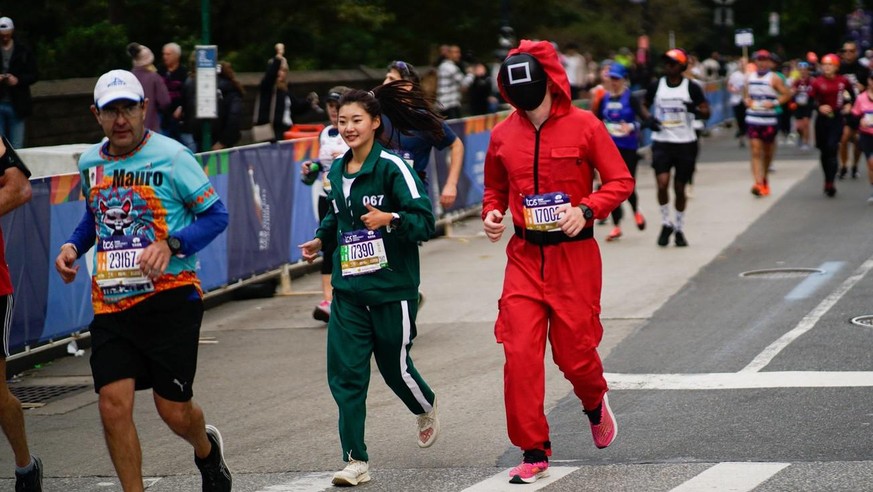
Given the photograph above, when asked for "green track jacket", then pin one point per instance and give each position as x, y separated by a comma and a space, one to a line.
387, 183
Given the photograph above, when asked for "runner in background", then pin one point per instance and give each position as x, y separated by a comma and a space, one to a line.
764, 94
804, 108
675, 102
863, 110
621, 112
832, 97
330, 147
854, 72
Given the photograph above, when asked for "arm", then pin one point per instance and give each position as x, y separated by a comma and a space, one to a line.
785, 93
494, 199
617, 183
80, 241
456, 162
209, 224
699, 102
15, 190
416, 212
230, 131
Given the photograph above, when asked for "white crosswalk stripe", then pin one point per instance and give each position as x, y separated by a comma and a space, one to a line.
500, 481
732, 477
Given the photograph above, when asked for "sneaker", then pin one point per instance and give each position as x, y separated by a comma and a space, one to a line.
605, 430
614, 234
528, 472
354, 473
870, 200
830, 190
216, 475
664, 237
854, 173
843, 172
428, 427
680, 239
756, 190
640, 220
32, 480
805, 148
765, 190
322, 311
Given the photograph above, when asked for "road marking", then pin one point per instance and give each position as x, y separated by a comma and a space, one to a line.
500, 481
808, 321
812, 283
310, 482
740, 380
732, 477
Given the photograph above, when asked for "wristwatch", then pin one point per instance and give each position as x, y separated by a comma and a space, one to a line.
587, 213
395, 220
175, 245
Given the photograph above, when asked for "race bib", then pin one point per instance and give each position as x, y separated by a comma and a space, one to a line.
675, 115
540, 211
616, 130
868, 118
118, 275
362, 252
801, 98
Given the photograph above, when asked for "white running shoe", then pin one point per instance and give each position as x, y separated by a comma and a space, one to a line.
354, 473
428, 427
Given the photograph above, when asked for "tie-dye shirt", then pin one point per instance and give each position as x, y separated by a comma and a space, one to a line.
137, 199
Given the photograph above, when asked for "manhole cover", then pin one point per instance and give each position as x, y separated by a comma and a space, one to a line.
782, 273
866, 320
31, 395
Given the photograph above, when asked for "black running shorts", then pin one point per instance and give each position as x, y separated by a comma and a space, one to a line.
668, 155
154, 342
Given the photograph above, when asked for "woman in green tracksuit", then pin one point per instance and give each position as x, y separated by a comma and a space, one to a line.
379, 213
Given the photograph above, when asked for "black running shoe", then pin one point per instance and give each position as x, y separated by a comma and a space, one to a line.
664, 237
216, 475
32, 480
843, 172
854, 173
680, 239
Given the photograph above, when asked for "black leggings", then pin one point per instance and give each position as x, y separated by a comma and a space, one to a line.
828, 131
631, 158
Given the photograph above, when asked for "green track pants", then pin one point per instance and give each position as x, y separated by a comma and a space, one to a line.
355, 333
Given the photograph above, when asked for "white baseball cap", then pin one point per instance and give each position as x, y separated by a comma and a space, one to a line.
6, 24
115, 85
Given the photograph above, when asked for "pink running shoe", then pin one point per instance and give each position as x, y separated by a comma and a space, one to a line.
322, 311
607, 430
529, 472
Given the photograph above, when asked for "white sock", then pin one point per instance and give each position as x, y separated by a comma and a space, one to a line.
665, 215
680, 218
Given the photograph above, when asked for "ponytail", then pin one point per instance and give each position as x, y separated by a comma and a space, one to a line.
403, 103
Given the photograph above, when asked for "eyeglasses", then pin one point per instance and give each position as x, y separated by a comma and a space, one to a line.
112, 113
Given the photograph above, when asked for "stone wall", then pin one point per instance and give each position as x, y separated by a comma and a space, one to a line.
61, 115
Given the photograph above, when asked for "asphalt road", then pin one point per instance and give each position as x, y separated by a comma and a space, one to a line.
719, 381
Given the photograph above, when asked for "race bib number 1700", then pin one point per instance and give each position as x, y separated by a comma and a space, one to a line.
540, 211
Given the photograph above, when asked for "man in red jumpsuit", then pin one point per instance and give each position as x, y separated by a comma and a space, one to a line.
540, 163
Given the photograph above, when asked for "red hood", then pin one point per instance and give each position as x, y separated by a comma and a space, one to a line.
545, 53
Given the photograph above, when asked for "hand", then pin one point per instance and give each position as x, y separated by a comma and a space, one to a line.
64, 264
304, 167
375, 218
493, 225
310, 249
177, 114
825, 109
11, 80
571, 219
154, 259
449, 195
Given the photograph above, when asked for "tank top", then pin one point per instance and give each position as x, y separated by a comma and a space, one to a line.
760, 91
616, 111
669, 108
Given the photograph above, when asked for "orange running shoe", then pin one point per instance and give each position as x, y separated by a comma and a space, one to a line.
641, 221
765, 190
615, 234
756, 190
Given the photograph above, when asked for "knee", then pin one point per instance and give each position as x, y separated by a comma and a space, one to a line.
114, 407
176, 415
